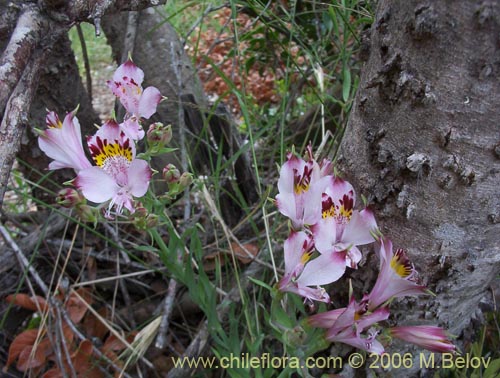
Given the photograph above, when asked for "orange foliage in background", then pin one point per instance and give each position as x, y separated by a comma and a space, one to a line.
36, 350
219, 48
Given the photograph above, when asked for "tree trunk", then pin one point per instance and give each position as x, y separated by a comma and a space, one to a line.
423, 145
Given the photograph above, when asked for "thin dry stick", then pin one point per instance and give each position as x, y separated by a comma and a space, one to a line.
61, 340
86, 62
53, 301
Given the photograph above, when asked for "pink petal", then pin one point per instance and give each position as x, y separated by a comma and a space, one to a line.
287, 175
128, 71
325, 234
139, 175
312, 294
286, 205
337, 188
110, 130
312, 201
96, 185
345, 319
294, 251
150, 99
349, 337
369, 319
132, 128
325, 319
389, 283
358, 230
52, 120
385, 251
64, 145
324, 269
428, 337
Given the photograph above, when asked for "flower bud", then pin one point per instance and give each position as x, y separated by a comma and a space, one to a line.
186, 179
140, 211
87, 213
69, 197
159, 134
151, 221
171, 174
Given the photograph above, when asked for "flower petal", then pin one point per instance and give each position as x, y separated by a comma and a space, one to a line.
96, 185
324, 269
339, 188
349, 337
128, 71
428, 337
132, 128
312, 294
64, 145
286, 205
148, 102
325, 319
139, 176
287, 174
325, 234
358, 230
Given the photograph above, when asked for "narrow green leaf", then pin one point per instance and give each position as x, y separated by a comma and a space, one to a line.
346, 83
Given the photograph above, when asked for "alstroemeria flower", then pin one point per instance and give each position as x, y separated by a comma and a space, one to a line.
397, 276
347, 326
62, 141
298, 250
118, 176
341, 228
300, 187
126, 85
428, 337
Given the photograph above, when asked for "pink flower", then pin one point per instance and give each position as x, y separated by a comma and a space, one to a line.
351, 337
428, 337
397, 277
118, 176
341, 228
298, 250
126, 85
347, 326
300, 187
62, 141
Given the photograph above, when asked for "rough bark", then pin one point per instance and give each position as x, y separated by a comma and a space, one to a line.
423, 145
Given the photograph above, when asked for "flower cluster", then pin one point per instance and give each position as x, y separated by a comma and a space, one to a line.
326, 230
324, 224
117, 175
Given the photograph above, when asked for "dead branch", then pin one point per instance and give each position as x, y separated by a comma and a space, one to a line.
29, 30
16, 119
